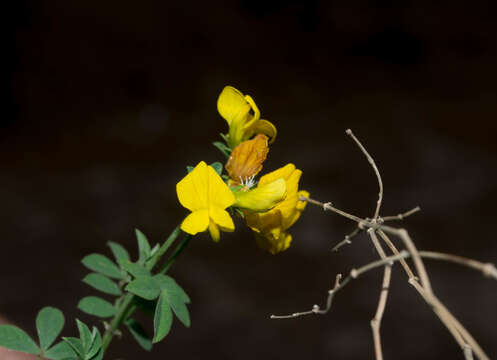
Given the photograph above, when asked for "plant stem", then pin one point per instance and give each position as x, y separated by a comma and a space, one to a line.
177, 251
126, 306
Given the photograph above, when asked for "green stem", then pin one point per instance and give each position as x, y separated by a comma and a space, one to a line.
126, 306
177, 251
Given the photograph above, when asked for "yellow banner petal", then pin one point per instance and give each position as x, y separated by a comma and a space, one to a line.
192, 189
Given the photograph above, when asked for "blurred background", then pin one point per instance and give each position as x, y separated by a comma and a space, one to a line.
109, 101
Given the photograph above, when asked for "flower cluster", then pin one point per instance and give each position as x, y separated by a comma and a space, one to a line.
270, 206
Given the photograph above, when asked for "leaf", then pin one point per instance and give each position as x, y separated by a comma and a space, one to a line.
120, 253
189, 168
134, 269
218, 167
139, 334
102, 283
99, 356
163, 318
96, 306
75, 345
60, 351
16, 339
225, 137
84, 335
103, 265
143, 246
145, 287
223, 148
96, 343
176, 297
49, 324
168, 283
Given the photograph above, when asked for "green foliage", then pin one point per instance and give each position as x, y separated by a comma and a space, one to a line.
96, 306
163, 318
101, 264
134, 269
102, 283
189, 168
49, 324
120, 253
145, 287
218, 167
143, 247
60, 351
223, 148
139, 334
16, 339
75, 345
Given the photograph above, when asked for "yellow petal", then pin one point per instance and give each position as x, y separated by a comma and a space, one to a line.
247, 158
257, 113
196, 222
232, 105
219, 194
214, 231
263, 197
221, 218
263, 222
262, 127
272, 244
283, 172
192, 189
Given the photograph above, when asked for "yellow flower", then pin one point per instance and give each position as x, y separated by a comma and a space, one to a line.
271, 226
236, 109
204, 193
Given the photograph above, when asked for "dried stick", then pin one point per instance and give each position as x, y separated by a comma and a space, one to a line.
453, 323
378, 176
382, 302
347, 239
488, 269
460, 334
354, 274
381, 220
401, 216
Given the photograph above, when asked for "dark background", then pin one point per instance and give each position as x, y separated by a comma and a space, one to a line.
109, 101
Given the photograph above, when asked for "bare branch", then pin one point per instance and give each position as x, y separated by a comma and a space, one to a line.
347, 239
382, 302
354, 274
401, 216
378, 176
487, 269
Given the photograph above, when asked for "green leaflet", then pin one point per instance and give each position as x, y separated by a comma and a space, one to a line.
14, 338
101, 264
143, 246
60, 351
145, 287
102, 283
120, 253
49, 324
139, 334
163, 318
96, 306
